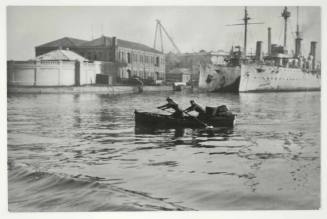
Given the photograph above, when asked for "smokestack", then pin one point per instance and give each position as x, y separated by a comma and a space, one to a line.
258, 52
313, 46
298, 47
269, 41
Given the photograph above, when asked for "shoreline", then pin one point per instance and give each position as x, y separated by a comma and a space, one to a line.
112, 90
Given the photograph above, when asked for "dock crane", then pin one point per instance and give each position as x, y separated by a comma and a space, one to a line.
158, 31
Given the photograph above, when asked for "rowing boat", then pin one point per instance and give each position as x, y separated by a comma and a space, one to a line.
166, 121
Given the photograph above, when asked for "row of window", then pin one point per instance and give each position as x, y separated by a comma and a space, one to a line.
141, 74
133, 58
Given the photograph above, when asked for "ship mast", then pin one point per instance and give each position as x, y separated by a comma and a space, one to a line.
246, 18
285, 14
297, 23
298, 38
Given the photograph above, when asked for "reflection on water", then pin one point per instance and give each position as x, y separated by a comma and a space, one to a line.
89, 142
179, 132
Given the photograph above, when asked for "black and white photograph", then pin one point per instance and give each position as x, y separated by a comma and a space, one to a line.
124, 108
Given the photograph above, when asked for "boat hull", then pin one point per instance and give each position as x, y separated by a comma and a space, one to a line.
217, 78
146, 119
261, 78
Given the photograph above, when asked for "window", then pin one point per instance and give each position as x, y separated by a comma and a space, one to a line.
129, 58
157, 61
122, 56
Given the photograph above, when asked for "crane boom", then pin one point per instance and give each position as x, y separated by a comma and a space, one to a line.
161, 27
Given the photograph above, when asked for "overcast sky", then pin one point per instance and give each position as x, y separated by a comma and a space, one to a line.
192, 28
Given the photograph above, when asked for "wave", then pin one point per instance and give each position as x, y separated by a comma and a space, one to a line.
33, 190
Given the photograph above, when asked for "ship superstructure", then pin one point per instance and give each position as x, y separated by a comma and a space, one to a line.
280, 70
226, 78
277, 71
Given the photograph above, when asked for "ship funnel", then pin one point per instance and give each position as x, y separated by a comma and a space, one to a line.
313, 46
298, 47
258, 52
269, 41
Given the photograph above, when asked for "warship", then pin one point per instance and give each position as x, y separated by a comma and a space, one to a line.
222, 77
277, 71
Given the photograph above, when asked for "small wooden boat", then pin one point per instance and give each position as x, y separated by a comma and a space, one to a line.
147, 119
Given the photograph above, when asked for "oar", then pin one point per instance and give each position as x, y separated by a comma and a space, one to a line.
207, 126
166, 110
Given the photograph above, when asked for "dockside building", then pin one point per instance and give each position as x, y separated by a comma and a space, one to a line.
121, 59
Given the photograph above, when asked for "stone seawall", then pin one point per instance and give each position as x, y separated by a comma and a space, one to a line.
84, 89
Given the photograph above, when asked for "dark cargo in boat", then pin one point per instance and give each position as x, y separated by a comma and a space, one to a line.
211, 111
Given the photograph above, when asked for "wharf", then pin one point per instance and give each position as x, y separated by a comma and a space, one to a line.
112, 90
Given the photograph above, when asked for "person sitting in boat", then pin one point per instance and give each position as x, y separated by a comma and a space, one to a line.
172, 105
195, 107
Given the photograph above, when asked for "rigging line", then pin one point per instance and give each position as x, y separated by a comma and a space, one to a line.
155, 37
161, 40
251, 37
291, 27
293, 37
280, 34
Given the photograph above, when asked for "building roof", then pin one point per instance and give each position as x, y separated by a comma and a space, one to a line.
107, 41
101, 41
64, 42
137, 46
59, 54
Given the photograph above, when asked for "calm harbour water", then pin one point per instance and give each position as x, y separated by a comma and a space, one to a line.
82, 153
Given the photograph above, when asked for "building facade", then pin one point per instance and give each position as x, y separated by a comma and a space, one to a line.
124, 59
56, 68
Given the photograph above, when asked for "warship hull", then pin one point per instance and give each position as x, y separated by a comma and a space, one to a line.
261, 78
220, 79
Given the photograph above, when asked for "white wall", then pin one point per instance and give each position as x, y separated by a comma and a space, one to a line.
88, 72
50, 73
